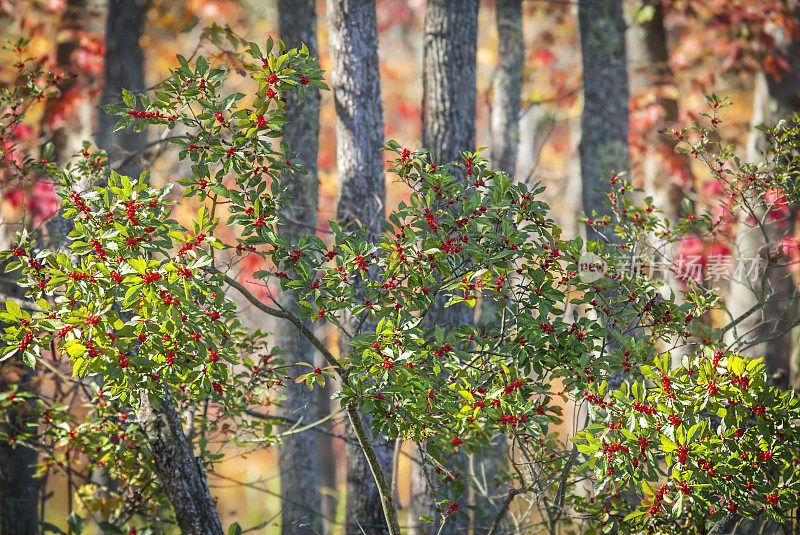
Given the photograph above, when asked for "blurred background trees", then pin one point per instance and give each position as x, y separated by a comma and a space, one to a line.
526, 79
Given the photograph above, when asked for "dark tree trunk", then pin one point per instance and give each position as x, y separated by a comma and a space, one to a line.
301, 502
362, 193
19, 489
179, 472
604, 121
775, 98
448, 130
448, 101
124, 69
507, 88
448, 78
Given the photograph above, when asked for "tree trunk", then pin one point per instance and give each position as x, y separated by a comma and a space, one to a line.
301, 502
179, 472
124, 68
448, 129
355, 82
485, 469
652, 83
448, 101
604, 121
507, 88
448, 78
19, 489
68, 118
775, 98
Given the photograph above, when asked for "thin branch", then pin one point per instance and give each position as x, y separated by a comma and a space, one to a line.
512, 493
295, 423
389, 509
297, 322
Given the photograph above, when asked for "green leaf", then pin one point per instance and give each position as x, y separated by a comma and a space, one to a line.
634, 515
128, 98
13, 309
75, 523
667, 445
47, 527
235, 529
202, 65
75, 349
108, 527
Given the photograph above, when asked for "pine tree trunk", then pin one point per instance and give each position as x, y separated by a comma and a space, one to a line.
774, 99
301, 501
362, 193
604, 121
448, 129
507, 88
124, 69
179, 472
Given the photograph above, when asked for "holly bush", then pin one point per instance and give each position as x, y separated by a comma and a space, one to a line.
141, 301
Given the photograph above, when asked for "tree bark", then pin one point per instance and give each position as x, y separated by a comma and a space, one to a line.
355, 82
124, 69
19, 489
179, 472
507, 87
448, 129
604, 121
769, 282
301, 501
448, 102
448, 78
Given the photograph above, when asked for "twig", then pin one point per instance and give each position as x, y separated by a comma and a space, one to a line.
512, 493
287, 316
